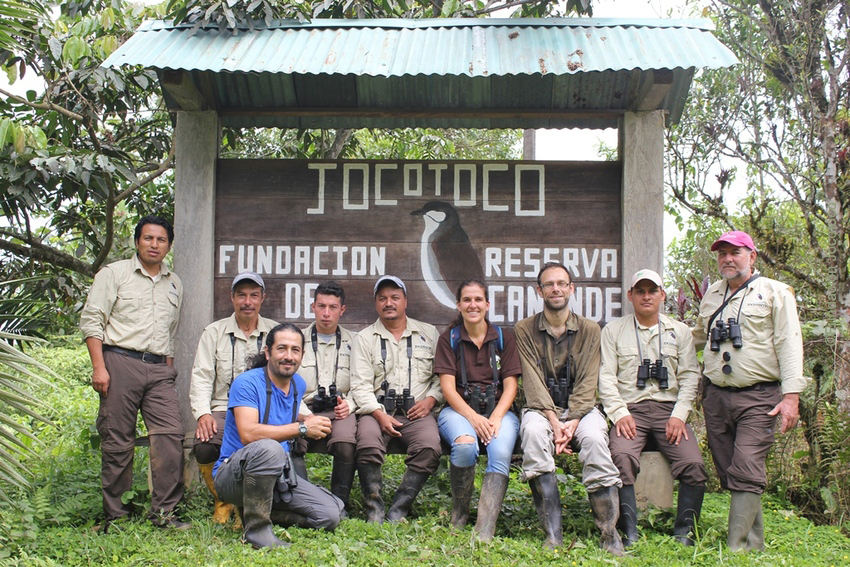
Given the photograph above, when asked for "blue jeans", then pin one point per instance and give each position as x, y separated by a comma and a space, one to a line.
453, 425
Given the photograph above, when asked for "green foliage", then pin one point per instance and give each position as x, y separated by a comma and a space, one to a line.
431, 144
247, 14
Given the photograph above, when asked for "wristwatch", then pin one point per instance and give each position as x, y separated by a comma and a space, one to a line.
302, 430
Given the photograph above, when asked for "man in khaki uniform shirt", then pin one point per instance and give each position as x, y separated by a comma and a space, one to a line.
129, 324
652, 400
222, 354
754, 368
551, 345
395, 353
325, 368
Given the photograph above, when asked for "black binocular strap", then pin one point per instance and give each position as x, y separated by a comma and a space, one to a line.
463, 379
548, 347
637, 340
726, 300
314, 338
269, 400
409, 361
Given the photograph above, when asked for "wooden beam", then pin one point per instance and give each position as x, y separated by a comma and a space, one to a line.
653, 90
487, 113
184, 92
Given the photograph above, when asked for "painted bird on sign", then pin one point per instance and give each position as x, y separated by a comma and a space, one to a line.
446, 255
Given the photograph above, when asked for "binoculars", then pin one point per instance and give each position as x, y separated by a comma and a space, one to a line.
324, 402
560, 387
393, 402
721, 332
652, 371
482, 402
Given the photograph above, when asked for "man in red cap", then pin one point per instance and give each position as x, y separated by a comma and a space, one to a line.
754, 367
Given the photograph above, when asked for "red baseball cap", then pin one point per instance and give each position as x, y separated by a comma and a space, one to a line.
735, 238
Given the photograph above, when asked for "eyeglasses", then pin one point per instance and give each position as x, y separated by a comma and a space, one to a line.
560, 285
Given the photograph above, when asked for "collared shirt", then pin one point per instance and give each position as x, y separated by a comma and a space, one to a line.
772, 341
221, 356
538, 347
367, 365
478, 365
323, 365
621, 358
128, 308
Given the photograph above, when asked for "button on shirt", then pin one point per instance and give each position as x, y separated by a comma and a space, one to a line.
128, 308
221, 356
327, 361
538, 347
621, 358
772, 347
367, 370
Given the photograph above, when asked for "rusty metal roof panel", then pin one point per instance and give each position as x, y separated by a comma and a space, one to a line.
531, 64
447, 47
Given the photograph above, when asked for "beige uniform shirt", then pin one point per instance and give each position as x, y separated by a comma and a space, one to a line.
322, 361
368, 368
621, 358
128, 309
539, 347
772, 340
221, 356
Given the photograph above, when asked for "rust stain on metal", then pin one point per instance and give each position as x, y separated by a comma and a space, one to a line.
514, 35
542, 65
573, 65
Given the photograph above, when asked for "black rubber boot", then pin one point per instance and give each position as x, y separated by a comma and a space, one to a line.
628, 515
411, 483
371, 485
300, 466
258, 492
342, 477
689, 505
463, 482
547, 500
493, 489
605, 504
285, 518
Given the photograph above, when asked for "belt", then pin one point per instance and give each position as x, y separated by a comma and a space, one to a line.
759, 387
147, 357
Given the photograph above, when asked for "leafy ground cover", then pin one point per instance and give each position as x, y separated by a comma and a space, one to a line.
54, 522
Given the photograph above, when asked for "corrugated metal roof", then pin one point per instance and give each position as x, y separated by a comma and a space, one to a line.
466, 72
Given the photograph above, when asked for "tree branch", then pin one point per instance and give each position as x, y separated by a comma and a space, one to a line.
39, 252
43, 106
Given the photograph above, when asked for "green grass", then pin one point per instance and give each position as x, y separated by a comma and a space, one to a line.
54, 523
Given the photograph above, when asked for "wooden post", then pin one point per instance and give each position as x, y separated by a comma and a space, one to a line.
196, 142
642, 154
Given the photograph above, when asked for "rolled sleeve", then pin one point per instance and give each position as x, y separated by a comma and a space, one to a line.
203, 375
99, 304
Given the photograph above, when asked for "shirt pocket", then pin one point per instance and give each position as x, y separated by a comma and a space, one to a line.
423, 364
127, 308
756, 318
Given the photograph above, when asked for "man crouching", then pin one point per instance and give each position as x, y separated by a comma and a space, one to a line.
254, 471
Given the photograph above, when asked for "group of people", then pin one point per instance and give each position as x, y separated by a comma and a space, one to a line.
264, 394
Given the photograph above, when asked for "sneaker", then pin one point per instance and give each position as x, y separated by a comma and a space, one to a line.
169, 521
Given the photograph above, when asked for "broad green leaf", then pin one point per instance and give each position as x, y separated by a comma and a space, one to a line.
74, 49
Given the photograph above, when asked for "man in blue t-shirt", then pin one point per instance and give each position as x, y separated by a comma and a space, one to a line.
254, 470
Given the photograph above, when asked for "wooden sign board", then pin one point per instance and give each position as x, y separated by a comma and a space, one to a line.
433, 224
